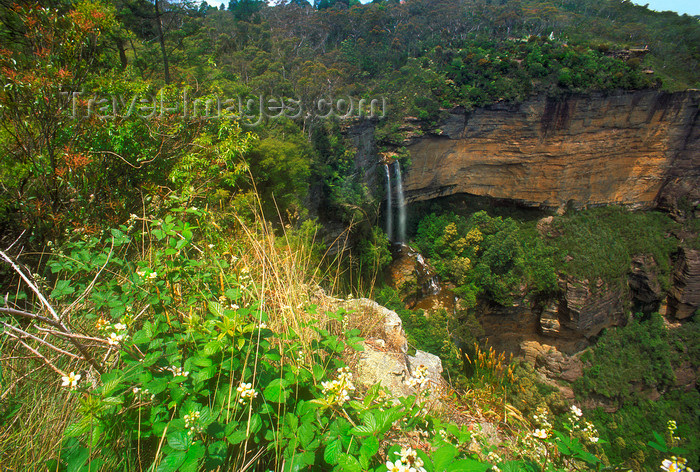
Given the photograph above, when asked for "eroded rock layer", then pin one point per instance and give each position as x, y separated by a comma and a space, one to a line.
582, 150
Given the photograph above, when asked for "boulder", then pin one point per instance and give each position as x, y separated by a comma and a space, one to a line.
384, 359
378, 322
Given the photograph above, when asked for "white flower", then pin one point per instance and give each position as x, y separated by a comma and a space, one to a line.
418, 379
114, 339
177, 371
675, 464
191, 423
593, 439
407, 455
576, 411
396, 466
540, 433
70, 380
246, 391
136, 390
120, 327
338, 391
494, 458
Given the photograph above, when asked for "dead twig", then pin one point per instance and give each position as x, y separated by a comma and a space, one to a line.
58, 322
36, 353
42, 341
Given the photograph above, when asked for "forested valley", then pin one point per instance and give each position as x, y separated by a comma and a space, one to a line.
447, 235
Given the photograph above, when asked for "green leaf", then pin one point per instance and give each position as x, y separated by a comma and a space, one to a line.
348, 463
192, 458
179, 440
362, 430
212, 347
357, 405
319, 372
292, 421
306, 434
659, 443
331, 452
427, 462
233, 294
172, 461
201, 361
658, 447
237, 436
467, 465
370, 421
299, 462
370, 447
216, 455
62, 289
276, 391
443, 457
216, 309
518, 466
255, 424
77, 459
587, 457
75, 430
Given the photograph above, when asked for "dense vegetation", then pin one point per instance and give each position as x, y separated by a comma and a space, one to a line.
502, 259
628, 366
161, 264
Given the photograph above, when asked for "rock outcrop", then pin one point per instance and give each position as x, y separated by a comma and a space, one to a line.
587, 310
411, 274
629, 148
384, 359
684, 296
644, 285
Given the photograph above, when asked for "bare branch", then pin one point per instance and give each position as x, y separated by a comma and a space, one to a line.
86, 355
32, 286
72, 335
37, 353
33, 316
42, 341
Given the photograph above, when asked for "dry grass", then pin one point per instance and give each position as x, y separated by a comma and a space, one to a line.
36, 411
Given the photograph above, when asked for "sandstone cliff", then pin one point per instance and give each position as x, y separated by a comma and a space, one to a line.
632, 148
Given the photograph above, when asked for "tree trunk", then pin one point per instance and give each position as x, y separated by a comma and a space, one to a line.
122, 52
161, 39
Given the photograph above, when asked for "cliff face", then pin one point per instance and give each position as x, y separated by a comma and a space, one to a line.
585, 150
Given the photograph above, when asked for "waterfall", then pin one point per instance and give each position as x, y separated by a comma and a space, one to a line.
389, 208
401, 236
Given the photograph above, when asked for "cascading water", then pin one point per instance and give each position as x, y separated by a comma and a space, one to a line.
389, 208
431, 284
401, 232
